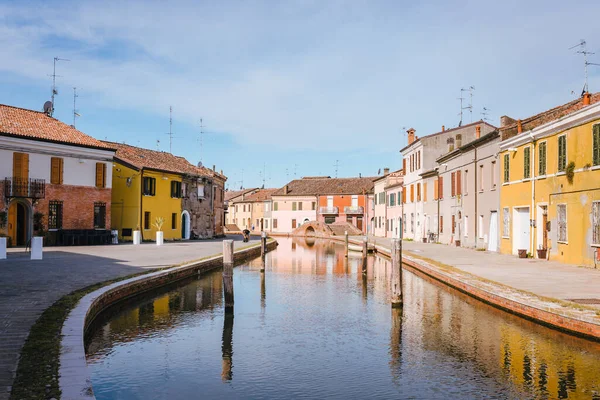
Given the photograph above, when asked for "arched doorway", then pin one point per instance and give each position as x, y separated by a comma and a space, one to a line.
19, 222
185, 225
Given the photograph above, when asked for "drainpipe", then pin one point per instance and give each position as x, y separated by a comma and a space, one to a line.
533, 210
476, 198
140, 222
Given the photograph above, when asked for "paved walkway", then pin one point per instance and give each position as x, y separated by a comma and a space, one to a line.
544, 278
28, 287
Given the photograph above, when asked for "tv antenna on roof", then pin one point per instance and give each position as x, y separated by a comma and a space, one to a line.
201, 134
54, 91
583, 50
170, 129
469, 107
485, 113
75, 113
336, 165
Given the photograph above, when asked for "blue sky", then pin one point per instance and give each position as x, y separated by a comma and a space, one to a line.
295, 85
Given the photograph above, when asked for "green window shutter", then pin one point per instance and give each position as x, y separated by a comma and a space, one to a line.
542, 159
562, 153
596, 145
506, 167
527, 163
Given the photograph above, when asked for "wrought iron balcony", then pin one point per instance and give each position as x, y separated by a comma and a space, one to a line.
354, 210
24, 188
328, 210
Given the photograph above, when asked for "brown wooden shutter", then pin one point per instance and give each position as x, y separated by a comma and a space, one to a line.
56, 165
436, 186
453, 184
441, 187
458, 183
100, 175
424, 191
21, 165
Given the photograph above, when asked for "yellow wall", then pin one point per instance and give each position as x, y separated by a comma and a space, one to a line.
125, 212
555, 189
126, 202
162, 205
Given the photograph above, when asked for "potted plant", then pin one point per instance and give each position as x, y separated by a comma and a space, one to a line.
158, 224
137, 235
3, 219
542, 252
522, 253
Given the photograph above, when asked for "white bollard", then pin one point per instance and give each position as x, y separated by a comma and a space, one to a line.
2, 248
160, 238
137, 237
37, 247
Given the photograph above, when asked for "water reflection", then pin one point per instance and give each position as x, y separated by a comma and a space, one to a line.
328, 318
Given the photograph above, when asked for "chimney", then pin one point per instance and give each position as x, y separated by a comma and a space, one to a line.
477, 132
587, 98
214, 167
519, 126
443, 128
411, 136
285, 189
505, 121
386, 171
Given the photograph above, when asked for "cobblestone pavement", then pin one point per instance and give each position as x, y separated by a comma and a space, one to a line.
28, 287
541, 277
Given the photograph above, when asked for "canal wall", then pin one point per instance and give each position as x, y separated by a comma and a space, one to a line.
75, 380
553, 313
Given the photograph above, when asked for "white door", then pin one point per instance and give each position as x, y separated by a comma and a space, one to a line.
354, 201
493, 235
521, 229
329, 201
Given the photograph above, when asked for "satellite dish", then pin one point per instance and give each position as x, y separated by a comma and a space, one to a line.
48, 107
199, 164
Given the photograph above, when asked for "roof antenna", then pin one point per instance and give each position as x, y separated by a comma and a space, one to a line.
54, 91
75, 113
484, 114
469, 107
201, 134
336, 165
582, 46
170, 129
295, 168
157, 145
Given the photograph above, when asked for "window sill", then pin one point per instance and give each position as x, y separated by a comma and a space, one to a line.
493, 189
541, 177
595, 245
505, 237
594, 168
560, 173
481, 191
526, 180
561, 242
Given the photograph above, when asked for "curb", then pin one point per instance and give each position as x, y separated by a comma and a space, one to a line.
74, 376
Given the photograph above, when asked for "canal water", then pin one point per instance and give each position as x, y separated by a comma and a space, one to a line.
314, 326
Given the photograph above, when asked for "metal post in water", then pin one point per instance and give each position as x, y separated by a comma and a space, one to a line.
263, 263
228, 274
263, 244
396, 275
346, 241
365, 246
263, 290
227, 348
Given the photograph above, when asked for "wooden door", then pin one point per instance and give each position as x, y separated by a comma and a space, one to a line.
545, 228
12, 223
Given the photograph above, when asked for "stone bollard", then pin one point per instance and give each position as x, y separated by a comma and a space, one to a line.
346, 241
228, 275
37, 248
396, 275
365, 246
2, 248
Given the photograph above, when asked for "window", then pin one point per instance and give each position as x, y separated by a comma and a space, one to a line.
99, 215
56, 168
100, 175
458, 141
412, 222
561, 210
244, 207
418, 192
275, 223
505, 222
450, 142
412, 193
266, 224
404, 165
404, 219
149, 186
453, 224
527, 163
596, 222
176, 189
481, 178
441, 187
294, 206
314, 205
441, 224
349, 219
173, 221
458, 183
466, 225
392, 199
436, 189
506, 168
453, 184
147, 220
480, 227
329, 219
466, 188
562, 153
55, 211
596, 145
542, 159
493, 177
275, 208
404, 195
419, 160
300, 205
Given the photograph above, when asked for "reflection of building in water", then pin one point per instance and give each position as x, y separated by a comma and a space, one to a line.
396, 345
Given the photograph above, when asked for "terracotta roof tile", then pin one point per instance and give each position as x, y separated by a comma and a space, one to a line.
327, 186
260, 195
36, 125
552, 114
232, 194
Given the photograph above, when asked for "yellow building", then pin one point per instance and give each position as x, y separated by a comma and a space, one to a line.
147, 185
550, 174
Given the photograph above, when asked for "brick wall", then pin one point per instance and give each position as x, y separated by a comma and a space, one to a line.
78, 205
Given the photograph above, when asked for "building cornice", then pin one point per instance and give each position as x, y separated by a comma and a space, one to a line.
580, 117
15, 143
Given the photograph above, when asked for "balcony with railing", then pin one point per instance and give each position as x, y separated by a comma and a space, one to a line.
24, 188
328, 210
354, 210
